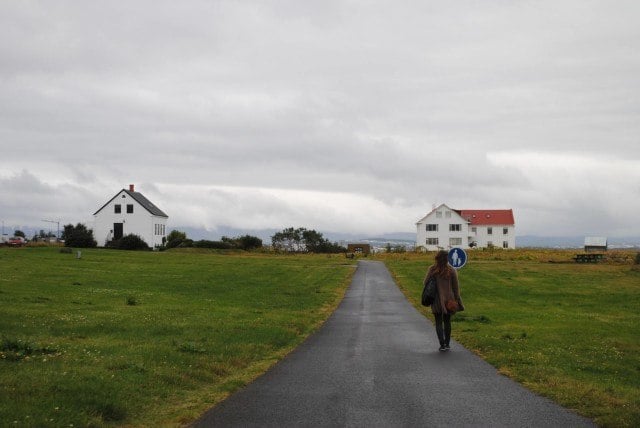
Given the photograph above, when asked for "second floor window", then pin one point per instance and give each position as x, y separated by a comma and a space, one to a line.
505, 230
432, 228
489, 230
129, 208
117, 208
455, 227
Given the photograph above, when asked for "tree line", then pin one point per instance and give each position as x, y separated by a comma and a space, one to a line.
291, 240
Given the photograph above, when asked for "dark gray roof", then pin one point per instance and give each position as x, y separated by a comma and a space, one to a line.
139, 198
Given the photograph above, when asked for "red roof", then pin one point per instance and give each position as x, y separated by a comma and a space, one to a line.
485, 217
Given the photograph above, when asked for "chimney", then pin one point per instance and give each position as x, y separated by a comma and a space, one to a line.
131, 187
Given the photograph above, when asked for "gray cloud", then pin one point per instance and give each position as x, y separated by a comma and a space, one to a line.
397, 106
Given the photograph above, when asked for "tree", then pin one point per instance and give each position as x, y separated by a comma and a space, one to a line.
130, 242
248, 242
289, 239
78, 236
301, 239
19, 233
175, 238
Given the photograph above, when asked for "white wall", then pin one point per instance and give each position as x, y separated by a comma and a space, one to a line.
466, 233
497, 237
442, 216
141, 222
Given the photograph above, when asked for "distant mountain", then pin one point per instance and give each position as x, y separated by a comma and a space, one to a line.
530, 241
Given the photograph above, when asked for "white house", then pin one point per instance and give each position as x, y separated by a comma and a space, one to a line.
445, 227
129, 212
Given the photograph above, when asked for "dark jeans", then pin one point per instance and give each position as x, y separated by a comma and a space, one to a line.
443, 328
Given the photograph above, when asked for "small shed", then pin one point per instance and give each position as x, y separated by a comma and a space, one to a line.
364, 249
595, 244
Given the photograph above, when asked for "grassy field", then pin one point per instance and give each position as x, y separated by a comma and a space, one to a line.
122, 338
568, 331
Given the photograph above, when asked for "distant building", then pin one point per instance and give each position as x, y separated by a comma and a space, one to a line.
595, 243
364, 249
445, 228
129, 212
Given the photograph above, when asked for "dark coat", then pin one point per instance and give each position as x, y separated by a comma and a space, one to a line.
448, 289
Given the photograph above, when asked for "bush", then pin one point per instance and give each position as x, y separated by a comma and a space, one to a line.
78, 236
175, 239
130, 242
217, 245
637, 259
248, 242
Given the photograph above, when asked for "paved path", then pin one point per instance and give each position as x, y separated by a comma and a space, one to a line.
375, 363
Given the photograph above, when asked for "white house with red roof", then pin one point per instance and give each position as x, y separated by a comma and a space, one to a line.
129, 212
445, 227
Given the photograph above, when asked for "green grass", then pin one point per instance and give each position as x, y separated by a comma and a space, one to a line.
568, 331
141, 338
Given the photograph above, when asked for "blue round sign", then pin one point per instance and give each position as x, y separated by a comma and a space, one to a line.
457, 257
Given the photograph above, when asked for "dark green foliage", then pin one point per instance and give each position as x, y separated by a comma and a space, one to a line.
248, 242
19, 233
637, 259
130, 242
178, 239
175, 239
217, 245
78, 236
303, 240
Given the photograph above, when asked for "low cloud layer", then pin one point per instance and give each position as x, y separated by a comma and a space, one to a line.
343, 116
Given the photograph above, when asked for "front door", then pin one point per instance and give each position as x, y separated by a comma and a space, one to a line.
117, 231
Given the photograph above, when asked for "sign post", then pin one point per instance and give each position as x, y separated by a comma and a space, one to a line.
457, 257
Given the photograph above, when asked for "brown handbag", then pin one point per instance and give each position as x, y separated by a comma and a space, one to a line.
452, 306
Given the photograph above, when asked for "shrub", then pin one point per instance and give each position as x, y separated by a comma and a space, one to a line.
217, 245
637, 259
175, 239
130, 242
78, 236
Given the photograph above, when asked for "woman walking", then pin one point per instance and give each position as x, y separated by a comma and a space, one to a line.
448, 300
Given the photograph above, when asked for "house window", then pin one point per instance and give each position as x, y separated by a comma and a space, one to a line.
474, 229
455, 241
447, 214
489, 230
438, 214
117, 208
129, 208
159, 229
505, 244
490, 244
432, 241
455, 227
432, 228
505, 230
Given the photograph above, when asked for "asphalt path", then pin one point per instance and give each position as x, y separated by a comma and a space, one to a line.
375, 363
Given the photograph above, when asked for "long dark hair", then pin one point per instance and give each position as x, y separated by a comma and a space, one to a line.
442, 264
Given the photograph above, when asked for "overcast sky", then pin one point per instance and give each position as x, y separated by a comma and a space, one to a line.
341, 116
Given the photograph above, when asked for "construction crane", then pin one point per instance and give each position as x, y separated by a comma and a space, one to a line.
57, 223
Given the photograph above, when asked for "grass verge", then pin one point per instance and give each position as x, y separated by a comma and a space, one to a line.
567, 331
148, 339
